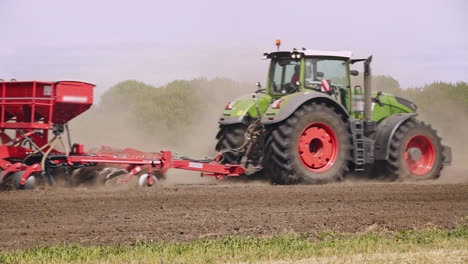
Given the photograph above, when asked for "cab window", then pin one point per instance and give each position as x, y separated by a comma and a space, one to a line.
284, 76
317, 70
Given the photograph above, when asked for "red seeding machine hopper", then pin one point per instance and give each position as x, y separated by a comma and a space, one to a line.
36, 147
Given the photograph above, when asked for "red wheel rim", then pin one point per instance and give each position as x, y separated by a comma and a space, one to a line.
425, 159
318, 147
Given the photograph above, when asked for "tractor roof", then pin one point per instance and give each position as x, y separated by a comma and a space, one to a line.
342, 54
318, 53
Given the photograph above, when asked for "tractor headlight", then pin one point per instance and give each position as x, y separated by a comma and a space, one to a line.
296, 56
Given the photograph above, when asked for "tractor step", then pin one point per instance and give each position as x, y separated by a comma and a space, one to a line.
363, 147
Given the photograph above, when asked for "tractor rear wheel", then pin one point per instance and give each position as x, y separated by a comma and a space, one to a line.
311, 146
231, 137
415, 153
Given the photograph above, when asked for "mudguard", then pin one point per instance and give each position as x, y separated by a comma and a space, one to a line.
243, 108
385, 131
239, 111
447, 154
292, 102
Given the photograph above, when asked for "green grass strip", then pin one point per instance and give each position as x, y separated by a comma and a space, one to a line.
430, 246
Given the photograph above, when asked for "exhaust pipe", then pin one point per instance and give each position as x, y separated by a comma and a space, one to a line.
369, 125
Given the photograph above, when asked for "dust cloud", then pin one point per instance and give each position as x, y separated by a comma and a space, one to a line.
119, 128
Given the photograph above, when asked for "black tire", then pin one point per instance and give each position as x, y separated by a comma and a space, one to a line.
30, 182
422, 136
283, 162
231, 137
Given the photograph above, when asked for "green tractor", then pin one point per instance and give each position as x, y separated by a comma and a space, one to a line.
310, 125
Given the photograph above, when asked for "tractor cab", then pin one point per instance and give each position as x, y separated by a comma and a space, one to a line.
309, 70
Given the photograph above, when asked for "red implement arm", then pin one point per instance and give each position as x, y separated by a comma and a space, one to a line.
157, 163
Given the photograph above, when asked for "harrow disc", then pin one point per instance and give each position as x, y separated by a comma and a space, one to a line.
30, 182
111, 175
143, 181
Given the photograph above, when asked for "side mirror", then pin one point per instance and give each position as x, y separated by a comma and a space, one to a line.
258, 84
354, 72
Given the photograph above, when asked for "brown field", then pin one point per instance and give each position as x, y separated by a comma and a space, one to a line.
172, 212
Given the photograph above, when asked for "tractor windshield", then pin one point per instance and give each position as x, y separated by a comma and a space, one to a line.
318, 69
284, 76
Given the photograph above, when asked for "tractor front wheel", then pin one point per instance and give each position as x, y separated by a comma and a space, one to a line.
311, 146
415, 153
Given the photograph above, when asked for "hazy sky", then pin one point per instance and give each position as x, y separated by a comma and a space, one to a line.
105, 42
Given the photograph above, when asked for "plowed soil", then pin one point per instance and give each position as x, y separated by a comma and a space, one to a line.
185, 212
